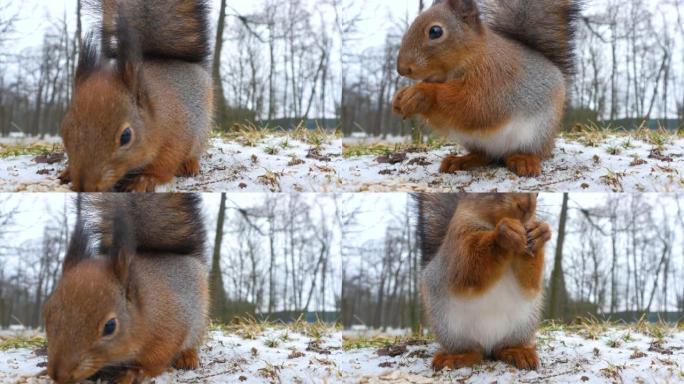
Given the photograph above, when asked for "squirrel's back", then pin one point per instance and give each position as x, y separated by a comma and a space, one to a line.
545, 26
435, 212
162, 223
165, 29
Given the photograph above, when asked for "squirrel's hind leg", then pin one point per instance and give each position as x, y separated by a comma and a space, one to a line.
189, 168
453, 164
188, 360
444, 360
524, 165
521, 357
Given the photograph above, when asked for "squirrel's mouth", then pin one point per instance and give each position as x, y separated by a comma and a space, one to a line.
434, 79
125, 182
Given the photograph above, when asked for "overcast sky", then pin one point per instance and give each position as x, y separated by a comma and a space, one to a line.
36, 210
36, 17
380, 17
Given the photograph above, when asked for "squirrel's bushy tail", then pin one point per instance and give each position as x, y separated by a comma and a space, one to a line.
168, 29
546, 26
162, 223
435, 211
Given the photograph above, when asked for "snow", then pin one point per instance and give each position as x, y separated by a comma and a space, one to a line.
615, 354
278, 163
275, 163
616, 164
274, 355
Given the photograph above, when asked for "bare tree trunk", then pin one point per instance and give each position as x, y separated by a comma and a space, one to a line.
219, 96
218, 294
558, 295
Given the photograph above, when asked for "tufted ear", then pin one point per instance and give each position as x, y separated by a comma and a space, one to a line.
468, 11
87, 59
79, 248
129, 59
123, 247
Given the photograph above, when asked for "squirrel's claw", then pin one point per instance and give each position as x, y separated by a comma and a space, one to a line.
538, 234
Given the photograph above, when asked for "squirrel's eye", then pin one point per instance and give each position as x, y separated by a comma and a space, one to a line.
126, 137
109, 328
436, 32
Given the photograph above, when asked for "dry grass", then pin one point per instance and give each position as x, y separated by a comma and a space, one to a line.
250, 135
22, 341
250, 328
590, 135
379, 341
34, 149
379, 148
593, 328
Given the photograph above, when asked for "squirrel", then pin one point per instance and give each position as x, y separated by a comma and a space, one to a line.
494, 78
481, 277
142, 107
138, 306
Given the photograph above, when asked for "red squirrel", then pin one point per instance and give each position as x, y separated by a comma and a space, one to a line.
494, 79
141, 111
481, 281
139, 304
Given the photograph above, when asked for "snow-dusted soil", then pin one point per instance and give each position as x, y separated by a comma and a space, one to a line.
616, 356
617, 164
271, 356
279, 355
273, 164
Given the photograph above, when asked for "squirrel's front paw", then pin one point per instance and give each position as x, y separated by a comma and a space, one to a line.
65, 176
130, 376
512, 235
411, 101
142, 183
538, 233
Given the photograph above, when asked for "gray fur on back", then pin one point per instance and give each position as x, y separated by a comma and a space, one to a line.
186, 277
193, 85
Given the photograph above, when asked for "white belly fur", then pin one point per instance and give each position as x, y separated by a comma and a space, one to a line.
519, 135
488, 319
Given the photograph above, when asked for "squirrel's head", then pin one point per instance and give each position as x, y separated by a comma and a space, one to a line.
495, 206
90, 318
440, 41
104, 130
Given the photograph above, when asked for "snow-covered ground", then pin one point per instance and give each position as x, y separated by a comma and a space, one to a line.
617, 163
271, 355
272, 163
282, 355
615, 355
279, 163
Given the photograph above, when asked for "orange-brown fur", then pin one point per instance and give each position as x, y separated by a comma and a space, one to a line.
453, 164
484, 255
157, 87
443, 360
521, 357
488, 235
165, 151
158, 297
468, 76
470, 101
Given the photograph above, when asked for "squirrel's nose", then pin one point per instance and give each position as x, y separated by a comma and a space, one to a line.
60, 373
404, 70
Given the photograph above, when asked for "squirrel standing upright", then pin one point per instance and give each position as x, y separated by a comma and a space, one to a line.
494, 80
141, 304
481, 281
141, 112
